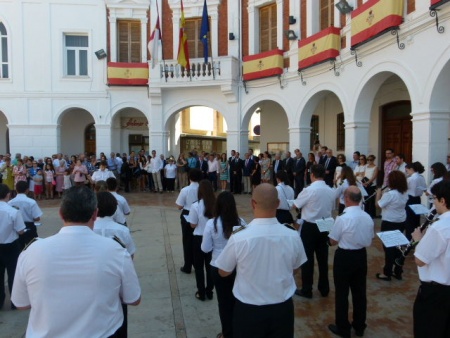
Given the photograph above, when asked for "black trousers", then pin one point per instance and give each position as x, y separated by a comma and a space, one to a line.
369, 205
299, 183
212, 177
274, 320
431, 312
225, 300
201, 265
187, 234
350, 274
391, 254
28, 235
237, 183
170, 184
316, 242
9, 253
412, 220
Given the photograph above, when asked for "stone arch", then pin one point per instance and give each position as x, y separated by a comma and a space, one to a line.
4, 134
72, 123
129, 129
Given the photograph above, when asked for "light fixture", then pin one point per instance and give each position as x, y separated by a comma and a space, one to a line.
231, 36
290, 34
292, 20
343, 7
100, 54
258, 110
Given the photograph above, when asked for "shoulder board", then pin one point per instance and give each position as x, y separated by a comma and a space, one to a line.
289, 226
341, 214
238, 229
30, 242
117, 239
15, 207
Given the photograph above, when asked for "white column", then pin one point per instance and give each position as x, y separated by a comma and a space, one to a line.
312, 14
243, 141
357, 137
113, 39
253, 22
144, 40
280, 20
103, 137
233, 140
214, 27
233, 27
337, 16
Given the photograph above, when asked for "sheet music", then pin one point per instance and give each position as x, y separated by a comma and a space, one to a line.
419, 209
186, 217
325, 224
392, 238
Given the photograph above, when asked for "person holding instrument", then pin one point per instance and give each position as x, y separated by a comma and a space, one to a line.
416, 187
369, 182
393, 217
431, 312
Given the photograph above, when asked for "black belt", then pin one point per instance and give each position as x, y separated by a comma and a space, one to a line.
434, 284
352, 250
185, 212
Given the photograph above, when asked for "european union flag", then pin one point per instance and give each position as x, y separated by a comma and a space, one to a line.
204, 32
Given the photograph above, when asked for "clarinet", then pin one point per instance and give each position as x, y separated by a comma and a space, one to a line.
407, 249
374, 194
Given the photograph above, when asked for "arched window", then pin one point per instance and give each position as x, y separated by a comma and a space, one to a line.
4, 65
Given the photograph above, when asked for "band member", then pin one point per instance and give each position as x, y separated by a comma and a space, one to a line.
393, 217
416, 188
432, 255
353, 232
285, 193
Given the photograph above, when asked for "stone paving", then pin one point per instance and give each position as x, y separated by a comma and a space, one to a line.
169, 308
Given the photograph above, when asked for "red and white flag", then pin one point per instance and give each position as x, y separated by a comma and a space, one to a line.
153, 45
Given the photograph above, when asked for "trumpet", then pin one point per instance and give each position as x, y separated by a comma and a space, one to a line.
407, 248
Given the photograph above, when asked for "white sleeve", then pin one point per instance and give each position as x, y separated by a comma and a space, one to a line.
207, 241
227, 259
193, 214
19, 294
130, 289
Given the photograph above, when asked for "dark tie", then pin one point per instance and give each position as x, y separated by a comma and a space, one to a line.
326, 163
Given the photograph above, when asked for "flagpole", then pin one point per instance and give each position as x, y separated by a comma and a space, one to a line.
212, 61
162, 45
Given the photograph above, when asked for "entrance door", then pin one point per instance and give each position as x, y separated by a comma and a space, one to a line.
90, 140
397, 128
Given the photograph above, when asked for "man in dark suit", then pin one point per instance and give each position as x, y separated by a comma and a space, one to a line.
249, 165
230, 159
236, 166
330, 165
299, 171
323, 155
203, 166
288, 164
278, 165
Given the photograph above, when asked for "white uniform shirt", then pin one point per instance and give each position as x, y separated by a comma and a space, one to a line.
74, 282
187, 196
171, 170
416, 185
213, 166
106, 227
265, 255
285, 193
102, 175
196, 216
353, 229
434, 250
316, 201
393, 205
123, 208
214, 240
27, 206
11, 222
156, 164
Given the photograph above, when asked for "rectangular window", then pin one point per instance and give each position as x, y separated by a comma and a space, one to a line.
76, 54
340, 132
326, 14
4, 73
192, 29
268, 28
129, 43
314, 130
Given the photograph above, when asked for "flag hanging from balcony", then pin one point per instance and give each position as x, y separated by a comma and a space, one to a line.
204, 32
436, 3
127, 74
155, 38
183, 52
263, 65
374, 18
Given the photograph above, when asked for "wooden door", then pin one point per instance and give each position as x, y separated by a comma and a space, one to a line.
397, 129
90, 143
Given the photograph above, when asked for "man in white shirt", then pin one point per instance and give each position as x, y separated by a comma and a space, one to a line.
264, 282
89, 274
123, 209
316, 202
355, 162
30, 211
102, 174
156, 165
353, 232
213, 169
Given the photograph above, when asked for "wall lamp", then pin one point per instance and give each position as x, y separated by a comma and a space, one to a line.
343, 7
292, 20
231, 36
290, 34
100, 54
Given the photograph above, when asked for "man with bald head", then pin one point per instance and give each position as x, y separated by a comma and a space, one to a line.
264, 254
353, 232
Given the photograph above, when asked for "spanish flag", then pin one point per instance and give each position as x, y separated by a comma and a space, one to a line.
319, 47
183, 52
127, 74
263, 65
375, 17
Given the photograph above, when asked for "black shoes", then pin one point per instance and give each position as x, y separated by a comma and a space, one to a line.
199, 296
333, 328
184, 270
209, 295
304, 294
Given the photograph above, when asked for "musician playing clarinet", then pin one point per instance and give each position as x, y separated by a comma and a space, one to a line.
432, 256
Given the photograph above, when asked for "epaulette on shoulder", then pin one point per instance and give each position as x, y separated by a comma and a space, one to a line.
289, 226
118, 240
30, 242
242, 227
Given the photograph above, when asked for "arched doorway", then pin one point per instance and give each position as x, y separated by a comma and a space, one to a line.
129, 131
4, 134
90, 144
74, 123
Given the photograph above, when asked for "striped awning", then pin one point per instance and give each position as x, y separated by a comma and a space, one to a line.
127, 74
374, 18
263, 65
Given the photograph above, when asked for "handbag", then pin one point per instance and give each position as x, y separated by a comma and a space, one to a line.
53, 182
365, 180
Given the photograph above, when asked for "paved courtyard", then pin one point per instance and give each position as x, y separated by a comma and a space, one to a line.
169, 308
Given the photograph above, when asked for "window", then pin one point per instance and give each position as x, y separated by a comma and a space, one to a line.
326, 14
193, 28
268, 28
340, 132
76, 63
129, 41
314, 130
4, 69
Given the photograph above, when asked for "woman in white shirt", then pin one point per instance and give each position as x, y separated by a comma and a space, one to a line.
170, 173
200, 212
438, 169
416, 187
393, 217
347, 179
215, 237
369, 182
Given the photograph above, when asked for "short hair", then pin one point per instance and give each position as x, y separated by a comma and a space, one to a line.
195, 175
106, 204
78, 204
281, 175
402, 156
21, 187
111, 183
103, 163
317, 170
397, 180
100, 186
4, 191
357, 153
442, 190
353, 196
